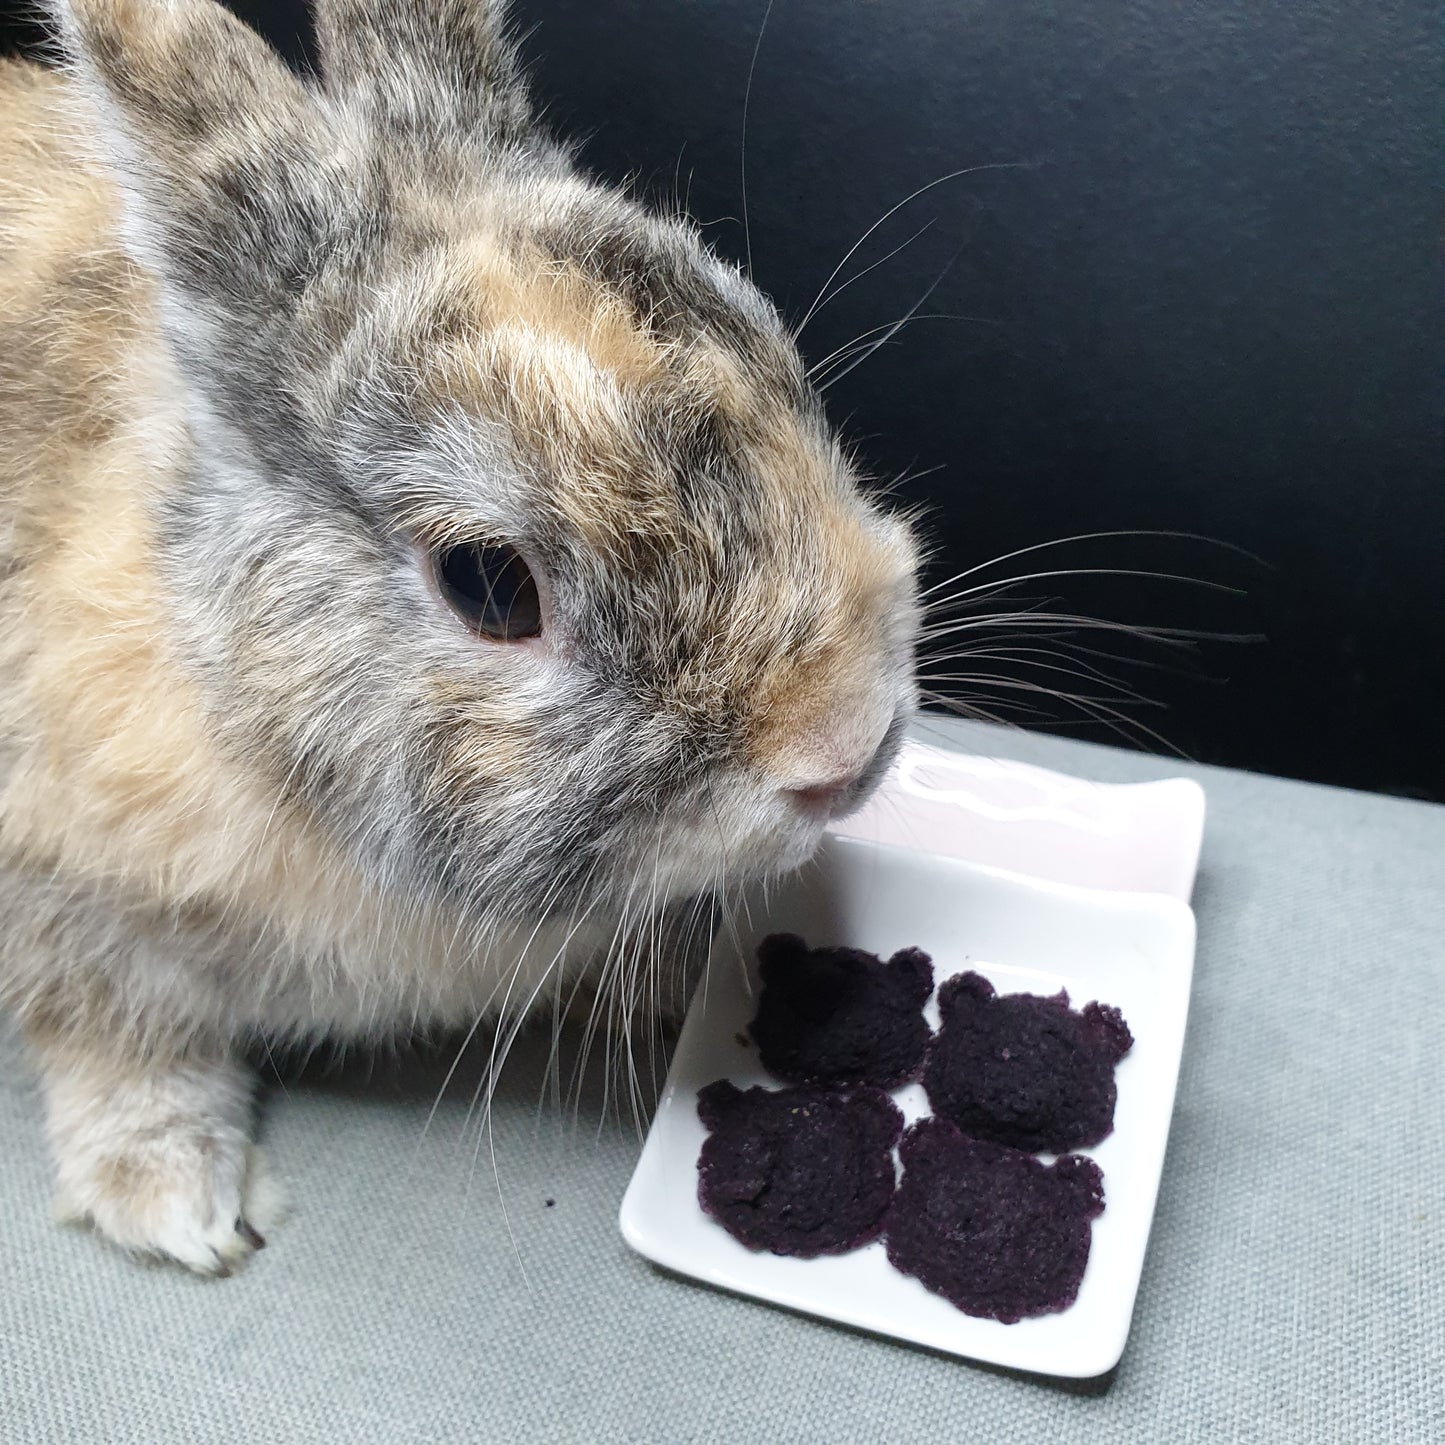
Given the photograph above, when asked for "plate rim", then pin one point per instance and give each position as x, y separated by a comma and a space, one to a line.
1189, 830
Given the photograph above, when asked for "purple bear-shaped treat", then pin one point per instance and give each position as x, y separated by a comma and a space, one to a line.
1024, 1070
801, 1172
841, 1016
996, 1232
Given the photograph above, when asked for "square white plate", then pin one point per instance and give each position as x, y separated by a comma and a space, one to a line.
1135, 951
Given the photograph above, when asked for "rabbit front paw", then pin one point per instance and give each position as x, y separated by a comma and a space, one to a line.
160, 1161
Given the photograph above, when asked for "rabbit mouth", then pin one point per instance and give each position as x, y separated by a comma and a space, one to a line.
866, 783
736, 830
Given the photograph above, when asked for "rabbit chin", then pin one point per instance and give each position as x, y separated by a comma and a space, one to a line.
719, 848
740, 828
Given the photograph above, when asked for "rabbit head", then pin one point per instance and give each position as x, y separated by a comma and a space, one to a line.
513, 545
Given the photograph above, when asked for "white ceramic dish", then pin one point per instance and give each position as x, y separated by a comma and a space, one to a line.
1026, 935
1127, 837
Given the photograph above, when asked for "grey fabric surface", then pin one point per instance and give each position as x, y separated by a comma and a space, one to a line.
1294, 1290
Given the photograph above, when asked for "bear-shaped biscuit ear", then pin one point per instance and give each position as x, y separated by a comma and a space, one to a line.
1082, 1181
778, 953
717, 1103
913, 971
440, 72
963, 988
1107, 1025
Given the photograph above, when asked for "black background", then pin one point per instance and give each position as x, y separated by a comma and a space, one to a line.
1201, 296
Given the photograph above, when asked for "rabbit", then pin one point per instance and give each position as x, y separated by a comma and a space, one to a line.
416, 560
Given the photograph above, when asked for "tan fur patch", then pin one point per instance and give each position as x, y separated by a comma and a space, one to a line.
107, 770
515, 287
563, 361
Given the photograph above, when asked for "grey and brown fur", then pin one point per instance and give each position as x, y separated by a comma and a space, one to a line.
264, 344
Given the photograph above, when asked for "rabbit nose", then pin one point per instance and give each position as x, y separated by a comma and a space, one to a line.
819, 750
824, 797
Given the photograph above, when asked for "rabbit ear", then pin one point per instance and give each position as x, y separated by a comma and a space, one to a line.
230, 174
442, 72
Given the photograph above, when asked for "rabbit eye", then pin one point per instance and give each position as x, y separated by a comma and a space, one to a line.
491, 589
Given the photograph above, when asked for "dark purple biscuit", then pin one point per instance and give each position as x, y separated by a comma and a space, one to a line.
1024, 1070
997, 1233
841, 1016
799, 1171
